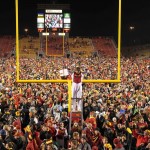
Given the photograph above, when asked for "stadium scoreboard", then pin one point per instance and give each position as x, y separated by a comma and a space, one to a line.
53, 20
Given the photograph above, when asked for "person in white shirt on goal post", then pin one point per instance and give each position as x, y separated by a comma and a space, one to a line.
77, 78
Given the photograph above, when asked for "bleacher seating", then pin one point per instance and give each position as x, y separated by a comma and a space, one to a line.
54, 46
105, 46
139, 50
29, 46
82, 45
6, 45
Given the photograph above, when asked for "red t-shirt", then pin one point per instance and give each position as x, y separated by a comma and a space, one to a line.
77, 77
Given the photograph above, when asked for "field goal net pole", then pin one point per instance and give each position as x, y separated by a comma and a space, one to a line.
63, 45
17, 41
119, 41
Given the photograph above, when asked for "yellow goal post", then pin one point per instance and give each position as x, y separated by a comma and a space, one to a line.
118, 80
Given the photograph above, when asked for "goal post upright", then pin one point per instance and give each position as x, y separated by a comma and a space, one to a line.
17, 41
46, 42
119, 41
69, 96
63, 44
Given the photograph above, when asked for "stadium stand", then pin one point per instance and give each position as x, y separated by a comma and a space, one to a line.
139, 50
105, 46
36, 115
29, 47
54, 46
6, 45
81, 45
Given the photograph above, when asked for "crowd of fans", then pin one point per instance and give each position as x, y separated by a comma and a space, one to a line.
48, 68
79, 42
34, 116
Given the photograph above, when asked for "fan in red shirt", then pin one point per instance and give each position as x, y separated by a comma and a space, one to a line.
77, 77
97, 138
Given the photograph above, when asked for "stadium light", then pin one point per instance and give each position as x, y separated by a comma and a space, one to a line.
131, 28
26, 30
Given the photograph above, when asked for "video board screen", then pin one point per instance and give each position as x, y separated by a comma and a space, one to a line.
40, 21
66, 25
66, 15
40, 25
67, 20
53, 20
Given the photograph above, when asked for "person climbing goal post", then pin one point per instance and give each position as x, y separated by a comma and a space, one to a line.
77, 78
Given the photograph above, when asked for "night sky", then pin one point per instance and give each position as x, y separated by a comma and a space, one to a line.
88, 18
